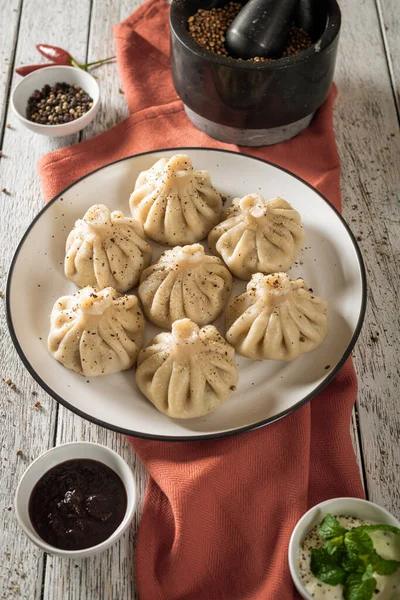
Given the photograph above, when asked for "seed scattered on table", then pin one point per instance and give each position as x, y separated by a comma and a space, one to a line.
59, 104
38, 405
19, 453
1, 294
208, 29
1, 153
5, 191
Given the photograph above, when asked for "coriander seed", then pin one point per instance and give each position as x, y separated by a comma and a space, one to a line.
208, 29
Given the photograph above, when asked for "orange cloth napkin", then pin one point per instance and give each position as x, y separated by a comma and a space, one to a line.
218, 515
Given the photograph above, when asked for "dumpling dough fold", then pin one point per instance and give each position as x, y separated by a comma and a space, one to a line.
175, 203
185, 282
96, 332
276, 319
258, 235
106, 250
189, 372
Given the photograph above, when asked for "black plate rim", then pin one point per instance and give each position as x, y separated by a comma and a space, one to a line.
194, 438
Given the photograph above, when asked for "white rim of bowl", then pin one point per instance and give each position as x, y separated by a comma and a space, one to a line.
36, 539
292, 550
60, 125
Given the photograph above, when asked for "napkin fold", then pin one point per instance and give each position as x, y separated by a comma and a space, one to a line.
218, 515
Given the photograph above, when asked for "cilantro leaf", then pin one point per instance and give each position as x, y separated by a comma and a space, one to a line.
371, 528
360, 587
383, 566
326, 568
330, 528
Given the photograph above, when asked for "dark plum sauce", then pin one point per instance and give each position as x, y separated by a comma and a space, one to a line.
77, 504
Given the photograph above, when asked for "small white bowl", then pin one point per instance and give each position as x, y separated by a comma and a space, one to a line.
55, 456
352, 507
50, 76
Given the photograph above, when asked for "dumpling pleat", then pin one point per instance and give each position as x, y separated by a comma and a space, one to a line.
176, 303
156, 213
290, 331
254, 337
159, 386
179, 396
160, 304
274, 345
212, 375
307, 328
206, 212
190, 210
174, 221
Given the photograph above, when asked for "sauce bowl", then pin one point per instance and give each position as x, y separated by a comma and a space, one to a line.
55, 456
352, 507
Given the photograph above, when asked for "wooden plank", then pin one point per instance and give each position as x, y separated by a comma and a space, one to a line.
369, 145
389, 15
10, 13
111, 574
22, 426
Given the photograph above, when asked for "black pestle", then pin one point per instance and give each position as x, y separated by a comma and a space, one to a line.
261, 29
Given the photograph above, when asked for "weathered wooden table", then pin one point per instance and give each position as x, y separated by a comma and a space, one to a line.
367, 129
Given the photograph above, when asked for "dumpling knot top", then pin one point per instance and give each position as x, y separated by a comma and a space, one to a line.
175, 203
106, 250
189, 372
258, 235
185, 282
276, 318
96, 333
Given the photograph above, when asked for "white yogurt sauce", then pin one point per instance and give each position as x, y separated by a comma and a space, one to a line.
386, 544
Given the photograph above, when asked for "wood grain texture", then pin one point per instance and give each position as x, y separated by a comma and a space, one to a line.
10, 13
389, 15
369, 145
24, 427
111, 574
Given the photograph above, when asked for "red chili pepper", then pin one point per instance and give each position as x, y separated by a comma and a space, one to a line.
30, 68
55, 54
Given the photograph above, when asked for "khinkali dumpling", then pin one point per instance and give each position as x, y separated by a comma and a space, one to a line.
185, 282
106, 250
96, 332
276, 318
175, 203
258, 235
189, 372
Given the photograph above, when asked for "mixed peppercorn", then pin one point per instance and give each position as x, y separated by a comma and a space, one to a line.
59, 104
208, 29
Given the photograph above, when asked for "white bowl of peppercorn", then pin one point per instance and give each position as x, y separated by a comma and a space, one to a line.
56, 101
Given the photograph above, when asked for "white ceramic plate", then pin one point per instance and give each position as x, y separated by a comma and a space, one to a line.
330, 263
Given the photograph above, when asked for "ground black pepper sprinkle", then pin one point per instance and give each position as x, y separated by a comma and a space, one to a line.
59, 104
208, 29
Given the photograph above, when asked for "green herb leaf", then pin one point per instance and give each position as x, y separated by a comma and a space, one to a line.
359, 544
360, 587
371, 528
383, 566
353, 563
325, 567
335, 548
330, 528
